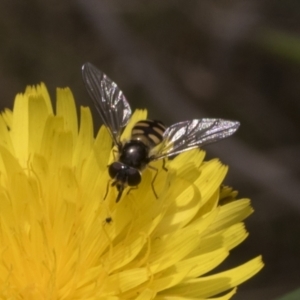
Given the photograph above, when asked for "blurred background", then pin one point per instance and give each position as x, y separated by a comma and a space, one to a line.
182, 60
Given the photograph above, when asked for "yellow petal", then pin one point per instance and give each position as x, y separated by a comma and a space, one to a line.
66, 108
211, 285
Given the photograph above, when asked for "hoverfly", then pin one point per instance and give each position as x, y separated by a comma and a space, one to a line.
150, 140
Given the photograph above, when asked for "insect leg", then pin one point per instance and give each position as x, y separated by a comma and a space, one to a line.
107, 188
164, 165
114, 152
132, 188
152, 183
120, 189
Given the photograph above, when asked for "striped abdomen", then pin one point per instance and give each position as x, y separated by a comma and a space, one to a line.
149, 132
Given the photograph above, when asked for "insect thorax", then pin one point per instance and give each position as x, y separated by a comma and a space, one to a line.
149, 132
134, 154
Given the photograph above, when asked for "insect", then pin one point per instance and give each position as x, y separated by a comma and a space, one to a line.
108, 220
150, 140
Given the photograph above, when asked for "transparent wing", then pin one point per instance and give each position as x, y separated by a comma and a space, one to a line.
109, 100
190, 134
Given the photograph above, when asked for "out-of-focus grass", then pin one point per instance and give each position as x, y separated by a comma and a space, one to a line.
281, 43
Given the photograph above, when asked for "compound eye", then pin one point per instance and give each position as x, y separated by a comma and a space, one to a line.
115, 168
133, 177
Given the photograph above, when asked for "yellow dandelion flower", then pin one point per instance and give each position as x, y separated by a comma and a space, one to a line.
60, 240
